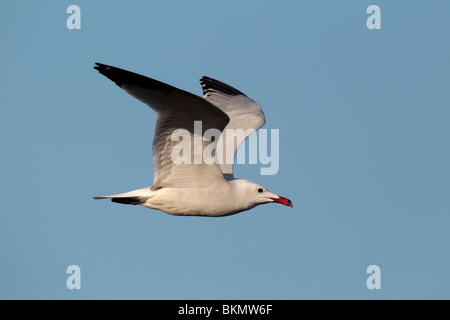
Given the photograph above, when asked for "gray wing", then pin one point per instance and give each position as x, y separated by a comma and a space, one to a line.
175, 109
246, 116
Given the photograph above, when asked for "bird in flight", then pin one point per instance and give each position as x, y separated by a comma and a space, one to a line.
191, 187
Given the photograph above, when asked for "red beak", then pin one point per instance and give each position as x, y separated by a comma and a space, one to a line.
284, 201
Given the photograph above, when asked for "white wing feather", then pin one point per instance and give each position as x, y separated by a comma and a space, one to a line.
246, 116
175, 109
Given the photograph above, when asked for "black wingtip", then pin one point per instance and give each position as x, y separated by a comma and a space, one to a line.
129, 200
100, 66
123, 77
109, 72
210, 84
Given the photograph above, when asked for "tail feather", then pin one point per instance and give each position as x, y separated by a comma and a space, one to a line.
99, 198
133, 197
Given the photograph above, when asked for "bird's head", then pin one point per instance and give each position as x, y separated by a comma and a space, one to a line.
254, 194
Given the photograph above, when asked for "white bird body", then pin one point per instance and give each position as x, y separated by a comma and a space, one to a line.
206, 201
194, 189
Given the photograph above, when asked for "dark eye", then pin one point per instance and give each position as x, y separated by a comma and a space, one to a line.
260, 190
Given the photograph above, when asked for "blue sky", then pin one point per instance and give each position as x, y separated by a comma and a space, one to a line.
364, 128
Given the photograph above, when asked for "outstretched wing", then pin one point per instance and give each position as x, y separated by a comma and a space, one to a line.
246, 116
175, 109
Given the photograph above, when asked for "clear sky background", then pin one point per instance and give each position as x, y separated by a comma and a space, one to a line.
364, 150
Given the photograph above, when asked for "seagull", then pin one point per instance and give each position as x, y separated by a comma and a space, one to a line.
192, 188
